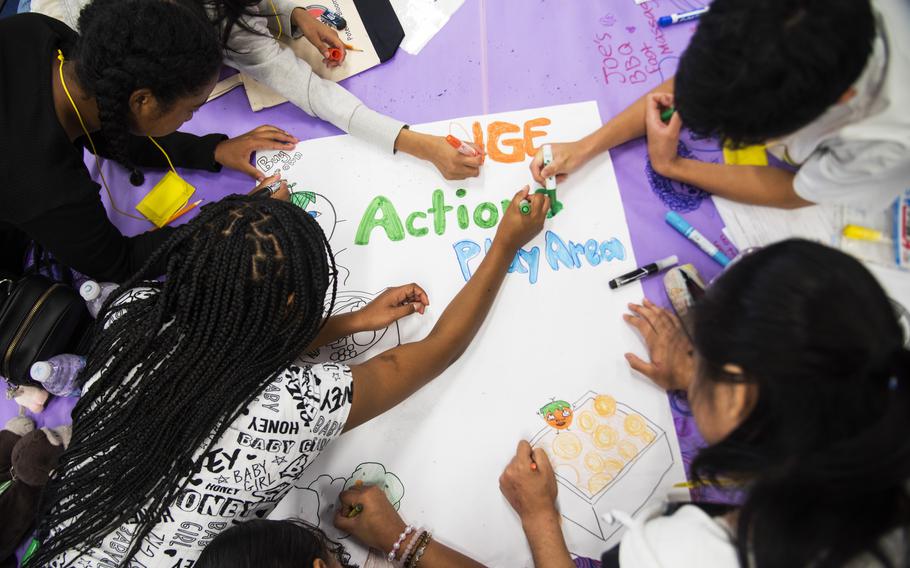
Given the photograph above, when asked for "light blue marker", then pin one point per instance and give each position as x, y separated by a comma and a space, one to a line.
677, 222
680, 17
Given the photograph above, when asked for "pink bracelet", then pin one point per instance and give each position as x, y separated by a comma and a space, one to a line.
411, 544
407, 530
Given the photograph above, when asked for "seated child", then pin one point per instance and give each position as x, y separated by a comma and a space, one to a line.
823, 84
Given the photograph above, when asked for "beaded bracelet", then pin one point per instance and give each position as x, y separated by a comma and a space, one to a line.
409, 553
411, 544
421, 550
407, 530
414, 559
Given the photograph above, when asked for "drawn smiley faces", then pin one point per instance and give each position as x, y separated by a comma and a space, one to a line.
557, 414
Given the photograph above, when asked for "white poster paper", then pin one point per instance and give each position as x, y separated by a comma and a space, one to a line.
546, 366
422, 19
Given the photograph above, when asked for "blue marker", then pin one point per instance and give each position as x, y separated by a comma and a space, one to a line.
688, 231
679, 17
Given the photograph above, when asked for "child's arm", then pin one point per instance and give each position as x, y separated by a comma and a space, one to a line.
757, 185
387, 379
627, 125
387, 308
529, 485
378, 525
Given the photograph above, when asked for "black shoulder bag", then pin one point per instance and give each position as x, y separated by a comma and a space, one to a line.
39, 318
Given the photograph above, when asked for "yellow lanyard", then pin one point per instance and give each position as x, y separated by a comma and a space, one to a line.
277, 18
95, 150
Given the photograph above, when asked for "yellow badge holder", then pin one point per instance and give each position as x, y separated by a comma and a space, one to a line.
168, 196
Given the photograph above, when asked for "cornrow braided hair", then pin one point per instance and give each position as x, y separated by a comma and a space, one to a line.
245, 294
125, 45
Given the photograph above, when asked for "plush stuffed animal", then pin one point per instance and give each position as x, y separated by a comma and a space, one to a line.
32, 398
29, 459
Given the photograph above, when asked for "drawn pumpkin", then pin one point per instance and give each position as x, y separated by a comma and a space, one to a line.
557, 414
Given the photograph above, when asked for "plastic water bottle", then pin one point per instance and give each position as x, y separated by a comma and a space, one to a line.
95, 294
58, 374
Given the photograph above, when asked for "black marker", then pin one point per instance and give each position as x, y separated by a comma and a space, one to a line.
692, 286
646, 270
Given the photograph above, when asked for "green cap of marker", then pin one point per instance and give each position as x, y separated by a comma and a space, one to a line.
667, 114
525, 207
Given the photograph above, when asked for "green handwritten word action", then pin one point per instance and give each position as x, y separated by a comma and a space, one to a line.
381, 213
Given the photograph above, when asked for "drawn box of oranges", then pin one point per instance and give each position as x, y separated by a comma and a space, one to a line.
594, 456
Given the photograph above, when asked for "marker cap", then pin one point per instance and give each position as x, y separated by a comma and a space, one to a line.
665, 263
664, 21
677, 222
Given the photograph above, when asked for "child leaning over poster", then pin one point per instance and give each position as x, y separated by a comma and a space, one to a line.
823, 84
250, 47
195, 411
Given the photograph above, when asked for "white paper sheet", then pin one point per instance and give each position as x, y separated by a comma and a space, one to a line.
558, 338
422, 19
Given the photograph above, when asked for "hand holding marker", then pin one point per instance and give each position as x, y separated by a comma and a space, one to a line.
462, 147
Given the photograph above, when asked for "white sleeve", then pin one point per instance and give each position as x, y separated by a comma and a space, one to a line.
866, 175
264, 59
284, 8
687, 539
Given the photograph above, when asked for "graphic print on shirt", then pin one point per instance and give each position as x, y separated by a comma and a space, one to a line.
245, 472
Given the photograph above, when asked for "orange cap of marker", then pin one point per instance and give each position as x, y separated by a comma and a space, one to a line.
461, 146
335, 54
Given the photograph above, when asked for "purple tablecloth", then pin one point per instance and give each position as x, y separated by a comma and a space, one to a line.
493, 57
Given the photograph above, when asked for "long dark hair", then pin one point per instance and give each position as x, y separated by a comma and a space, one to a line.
825, 452
125, 45
271, 544
225, 14
244, 295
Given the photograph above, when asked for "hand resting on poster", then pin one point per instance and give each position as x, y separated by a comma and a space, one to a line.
672, 358
379, 526
389, 378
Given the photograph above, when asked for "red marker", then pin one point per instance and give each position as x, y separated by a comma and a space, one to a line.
335, 54
462, 147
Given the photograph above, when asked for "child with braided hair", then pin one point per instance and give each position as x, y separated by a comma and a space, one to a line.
249, 46
195, 414
139, 69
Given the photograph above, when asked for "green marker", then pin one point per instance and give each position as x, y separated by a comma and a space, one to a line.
525, 207
667, 114
30, 551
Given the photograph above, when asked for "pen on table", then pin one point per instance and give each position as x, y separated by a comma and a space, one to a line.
355, 510
642, 272
350, 47
183, 211
680, 17
860, 233
692, 484
676, 221
462, 147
